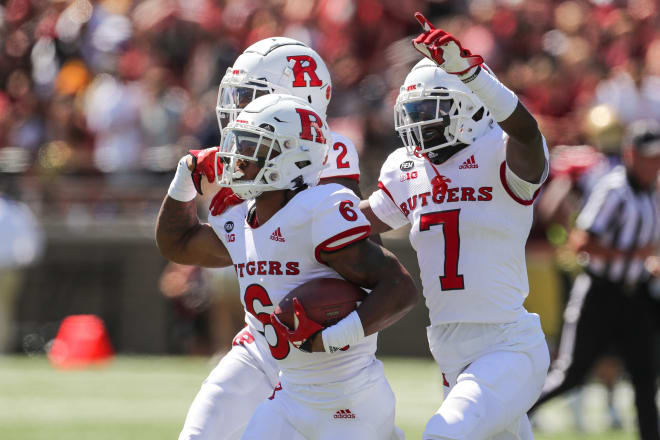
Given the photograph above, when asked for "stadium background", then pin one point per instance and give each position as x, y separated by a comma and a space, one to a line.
99, 99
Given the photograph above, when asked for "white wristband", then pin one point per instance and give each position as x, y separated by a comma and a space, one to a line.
182, 187
496, 96
348, 331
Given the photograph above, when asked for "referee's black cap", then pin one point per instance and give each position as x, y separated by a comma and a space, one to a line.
644, 136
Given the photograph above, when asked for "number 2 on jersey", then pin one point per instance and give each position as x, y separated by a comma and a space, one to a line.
255, 292
341, 163
451, 280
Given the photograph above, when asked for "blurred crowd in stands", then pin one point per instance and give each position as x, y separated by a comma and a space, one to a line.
98, 96
122, 86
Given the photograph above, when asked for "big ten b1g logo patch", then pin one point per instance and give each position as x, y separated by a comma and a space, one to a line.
304, 67
406, 167
407, 174
229, 226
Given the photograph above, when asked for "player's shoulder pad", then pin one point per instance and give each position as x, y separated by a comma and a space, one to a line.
343, 158
338, 137
233, 213
397, 161
319, 195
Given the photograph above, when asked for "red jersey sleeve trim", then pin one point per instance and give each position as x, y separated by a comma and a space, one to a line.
511, 193
342, 240
355, 177
382, 186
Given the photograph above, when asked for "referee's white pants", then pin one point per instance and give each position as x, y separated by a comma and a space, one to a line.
488, 397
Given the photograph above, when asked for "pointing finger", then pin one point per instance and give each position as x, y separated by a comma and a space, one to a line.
424, 22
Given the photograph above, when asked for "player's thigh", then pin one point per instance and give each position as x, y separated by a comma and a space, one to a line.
227, 398
270, 421
490, 395
369, 415
521, 429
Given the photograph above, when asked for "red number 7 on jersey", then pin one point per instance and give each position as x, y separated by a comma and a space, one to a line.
451, 280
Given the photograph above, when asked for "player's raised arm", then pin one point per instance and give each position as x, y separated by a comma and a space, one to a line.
180, 236
526, 154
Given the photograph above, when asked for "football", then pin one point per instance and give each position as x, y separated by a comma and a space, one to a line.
325, 300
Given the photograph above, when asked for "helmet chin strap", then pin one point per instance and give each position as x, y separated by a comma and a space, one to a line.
440, 183
441, 155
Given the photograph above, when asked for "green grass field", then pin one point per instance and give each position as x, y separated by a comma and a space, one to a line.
145, 398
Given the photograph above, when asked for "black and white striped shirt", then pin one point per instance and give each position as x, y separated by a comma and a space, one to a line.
623, 218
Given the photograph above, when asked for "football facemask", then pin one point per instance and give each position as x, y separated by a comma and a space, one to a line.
424, 122
240, 148
238, 89
277, 142
434, 110
274, 65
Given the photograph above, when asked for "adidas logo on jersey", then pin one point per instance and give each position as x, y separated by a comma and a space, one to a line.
469, 163
344, 414
277, 236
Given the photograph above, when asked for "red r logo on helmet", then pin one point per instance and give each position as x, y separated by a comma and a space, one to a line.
299, 71
310, 120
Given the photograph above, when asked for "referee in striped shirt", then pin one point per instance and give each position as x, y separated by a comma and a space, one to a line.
617, 230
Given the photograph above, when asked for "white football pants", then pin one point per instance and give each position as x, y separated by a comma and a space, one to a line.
242, 380
366, 414
488, 396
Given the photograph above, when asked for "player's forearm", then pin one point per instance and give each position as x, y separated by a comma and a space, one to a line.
180, 236
182, 239
503, 104
377, 225
388, 302
522, 126
177, 222
393, 292
525, 150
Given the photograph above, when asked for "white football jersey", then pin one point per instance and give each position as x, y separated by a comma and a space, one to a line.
283, 253
343, 160
470, 241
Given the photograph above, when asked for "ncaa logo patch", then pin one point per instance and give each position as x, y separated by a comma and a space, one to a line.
405, 166
229, 226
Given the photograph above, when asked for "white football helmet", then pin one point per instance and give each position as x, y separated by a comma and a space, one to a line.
435, 110
284, 135
274, 65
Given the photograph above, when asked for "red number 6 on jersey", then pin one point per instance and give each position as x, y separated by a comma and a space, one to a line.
279, 348
346, 211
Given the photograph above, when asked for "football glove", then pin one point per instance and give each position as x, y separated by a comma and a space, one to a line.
443, 48
225, 198
303, 335
202, 165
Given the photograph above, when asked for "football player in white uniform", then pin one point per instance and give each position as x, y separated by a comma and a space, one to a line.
285, 65
466, 179
289, 232
247, 374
